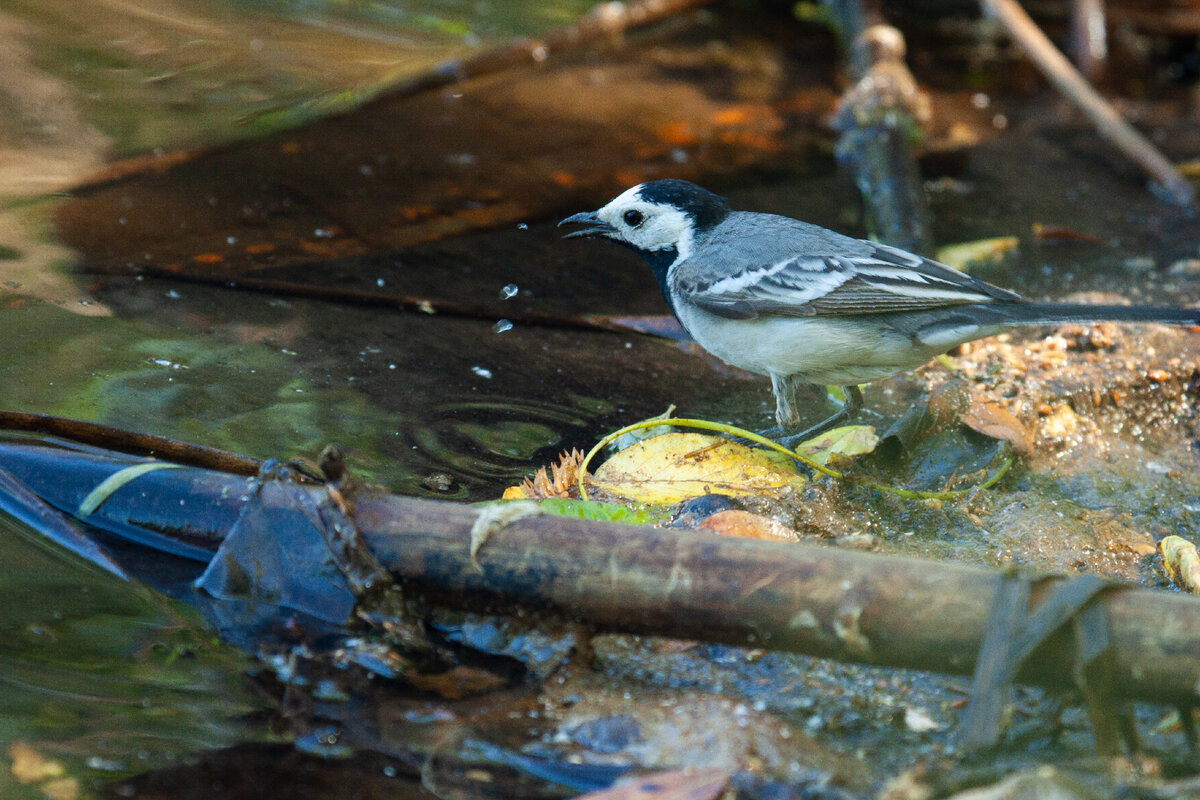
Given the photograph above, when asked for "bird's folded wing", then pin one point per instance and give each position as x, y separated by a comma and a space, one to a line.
882, 280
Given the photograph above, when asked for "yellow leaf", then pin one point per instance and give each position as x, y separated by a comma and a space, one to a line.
849, 440
677, 466
30, 766
61, 789
984, 251
1181, 563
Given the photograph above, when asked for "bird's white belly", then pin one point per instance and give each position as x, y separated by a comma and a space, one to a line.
828, 350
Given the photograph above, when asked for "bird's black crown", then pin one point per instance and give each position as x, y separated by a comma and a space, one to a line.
704, 207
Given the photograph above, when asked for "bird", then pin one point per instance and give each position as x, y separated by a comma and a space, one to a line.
802, 304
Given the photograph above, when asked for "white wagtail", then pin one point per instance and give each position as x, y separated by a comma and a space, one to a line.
802, 304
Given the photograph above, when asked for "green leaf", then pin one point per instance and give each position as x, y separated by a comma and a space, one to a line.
636, 514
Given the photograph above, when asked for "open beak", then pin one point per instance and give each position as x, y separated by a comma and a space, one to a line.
597, 227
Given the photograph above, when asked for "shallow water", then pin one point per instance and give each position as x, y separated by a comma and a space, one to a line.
416, 396
104, 677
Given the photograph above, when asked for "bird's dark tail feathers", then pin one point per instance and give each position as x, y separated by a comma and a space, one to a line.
1056, 313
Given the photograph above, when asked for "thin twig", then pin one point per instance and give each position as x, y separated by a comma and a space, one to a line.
1110, 124
123, 441
358, 297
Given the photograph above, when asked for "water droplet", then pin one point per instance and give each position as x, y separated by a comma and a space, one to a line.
509, 291
380, 282
522, 226
501, 326
481, 372
173, 295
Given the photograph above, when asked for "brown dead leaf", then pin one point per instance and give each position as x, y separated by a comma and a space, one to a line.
1061, 233
747, 525
998, 422
560, 482
457, 683
703, 784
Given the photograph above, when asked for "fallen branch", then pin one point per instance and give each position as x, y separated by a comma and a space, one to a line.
1110, 124
820, 601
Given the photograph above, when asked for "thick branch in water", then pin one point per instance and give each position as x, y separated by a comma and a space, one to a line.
863, 607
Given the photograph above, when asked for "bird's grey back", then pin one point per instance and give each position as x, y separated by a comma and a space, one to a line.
749, 240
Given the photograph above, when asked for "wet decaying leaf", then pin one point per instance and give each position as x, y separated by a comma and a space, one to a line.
940, 411
835, 447
302, 571
742, 523
997, 422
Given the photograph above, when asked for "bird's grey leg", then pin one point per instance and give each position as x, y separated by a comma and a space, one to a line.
785, 397
787, 415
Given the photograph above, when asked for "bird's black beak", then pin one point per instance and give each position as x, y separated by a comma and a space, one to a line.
597, 226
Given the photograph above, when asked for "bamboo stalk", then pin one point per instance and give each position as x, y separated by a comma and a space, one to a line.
820, 601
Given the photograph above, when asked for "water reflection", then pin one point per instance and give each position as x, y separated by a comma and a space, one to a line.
103, 677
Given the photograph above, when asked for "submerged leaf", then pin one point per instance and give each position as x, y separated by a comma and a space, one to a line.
744, 524
997, 422
847, 441
676, 466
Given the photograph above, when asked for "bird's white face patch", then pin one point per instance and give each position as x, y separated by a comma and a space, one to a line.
649, 226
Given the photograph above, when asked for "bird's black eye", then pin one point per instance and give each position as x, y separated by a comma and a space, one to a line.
633, 218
